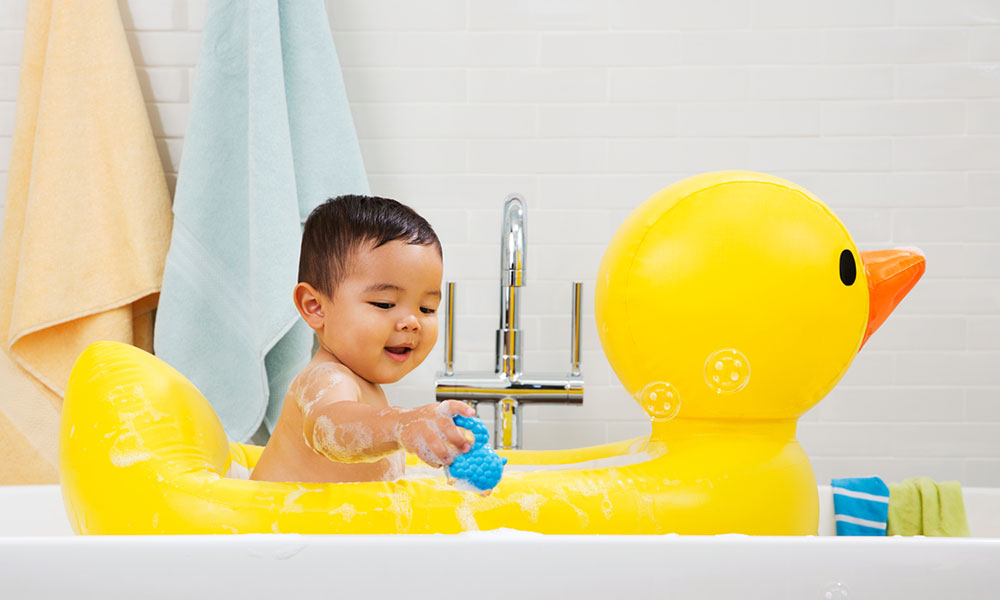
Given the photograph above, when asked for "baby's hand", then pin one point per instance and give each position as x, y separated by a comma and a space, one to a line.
430, 433
480, 469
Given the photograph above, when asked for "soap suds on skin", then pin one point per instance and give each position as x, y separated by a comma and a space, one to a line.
421, 449
341, 442
396, 468
344, 442
322, 379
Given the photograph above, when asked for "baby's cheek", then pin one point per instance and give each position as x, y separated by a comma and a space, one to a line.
431, 330
421, 353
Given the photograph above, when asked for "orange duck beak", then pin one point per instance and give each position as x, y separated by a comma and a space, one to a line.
891, 275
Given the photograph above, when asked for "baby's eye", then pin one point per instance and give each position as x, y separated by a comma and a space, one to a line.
427, 311
382, 305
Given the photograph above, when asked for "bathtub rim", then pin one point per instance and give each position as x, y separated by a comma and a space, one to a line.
539, 566
48, 512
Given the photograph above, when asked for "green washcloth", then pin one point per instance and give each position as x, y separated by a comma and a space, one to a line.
920, 506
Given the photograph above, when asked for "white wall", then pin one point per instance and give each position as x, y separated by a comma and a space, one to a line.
889, 110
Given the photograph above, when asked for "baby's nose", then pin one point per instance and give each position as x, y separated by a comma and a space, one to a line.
408, 323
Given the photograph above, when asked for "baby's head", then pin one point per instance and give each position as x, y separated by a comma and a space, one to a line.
370, 284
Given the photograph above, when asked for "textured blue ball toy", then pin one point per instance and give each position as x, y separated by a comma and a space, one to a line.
481, 467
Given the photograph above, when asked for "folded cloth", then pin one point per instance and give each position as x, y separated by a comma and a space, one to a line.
920, 506
86, 223
860, 505
270, 137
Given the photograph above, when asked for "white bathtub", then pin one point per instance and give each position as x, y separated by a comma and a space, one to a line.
40, 558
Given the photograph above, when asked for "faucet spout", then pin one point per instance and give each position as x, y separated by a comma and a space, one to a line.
513, 248
512, 242
507, 388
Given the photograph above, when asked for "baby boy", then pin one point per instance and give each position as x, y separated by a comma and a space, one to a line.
369, 286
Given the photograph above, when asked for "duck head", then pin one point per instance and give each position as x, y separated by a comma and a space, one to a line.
738, 295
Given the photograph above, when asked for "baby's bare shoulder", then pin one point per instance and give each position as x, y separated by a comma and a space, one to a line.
324, 381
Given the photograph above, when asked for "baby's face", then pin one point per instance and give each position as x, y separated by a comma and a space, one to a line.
382, 321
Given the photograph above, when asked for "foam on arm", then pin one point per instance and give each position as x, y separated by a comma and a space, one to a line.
340, 427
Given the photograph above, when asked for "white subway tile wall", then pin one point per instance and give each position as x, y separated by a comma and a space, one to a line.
889, 111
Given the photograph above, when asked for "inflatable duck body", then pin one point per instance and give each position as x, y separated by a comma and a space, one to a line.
728, 304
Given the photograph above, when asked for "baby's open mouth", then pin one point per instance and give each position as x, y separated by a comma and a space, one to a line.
398, 353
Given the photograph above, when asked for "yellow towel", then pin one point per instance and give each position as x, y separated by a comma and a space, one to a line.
86, 224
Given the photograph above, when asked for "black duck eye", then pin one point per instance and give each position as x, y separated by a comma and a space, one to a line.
848, 272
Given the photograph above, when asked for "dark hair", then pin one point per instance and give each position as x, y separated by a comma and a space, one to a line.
340, 226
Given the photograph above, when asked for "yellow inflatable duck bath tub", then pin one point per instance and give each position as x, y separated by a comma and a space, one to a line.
728, 304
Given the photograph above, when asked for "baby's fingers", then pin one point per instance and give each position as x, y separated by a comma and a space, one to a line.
441, 454
450, 408
469, 436
462, 439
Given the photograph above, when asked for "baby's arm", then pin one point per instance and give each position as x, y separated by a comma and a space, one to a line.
430, 431
338, 426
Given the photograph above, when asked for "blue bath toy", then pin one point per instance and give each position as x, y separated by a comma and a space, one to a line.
480, 469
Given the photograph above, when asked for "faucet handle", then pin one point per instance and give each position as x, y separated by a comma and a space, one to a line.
574, 343
449, 329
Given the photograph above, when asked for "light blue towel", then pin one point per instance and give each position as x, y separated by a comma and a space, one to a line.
270, 137
860, 505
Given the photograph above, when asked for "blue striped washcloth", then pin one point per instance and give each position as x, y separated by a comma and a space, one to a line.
860, 505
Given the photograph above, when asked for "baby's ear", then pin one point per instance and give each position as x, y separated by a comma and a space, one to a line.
307, 301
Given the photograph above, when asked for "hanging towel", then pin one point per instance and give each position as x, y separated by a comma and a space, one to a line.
86, 223
860, 505
270, 137
919, 506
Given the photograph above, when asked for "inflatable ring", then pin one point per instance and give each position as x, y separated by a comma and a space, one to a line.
722, 379
142, 452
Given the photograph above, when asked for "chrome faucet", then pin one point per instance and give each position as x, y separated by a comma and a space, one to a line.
507, 387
